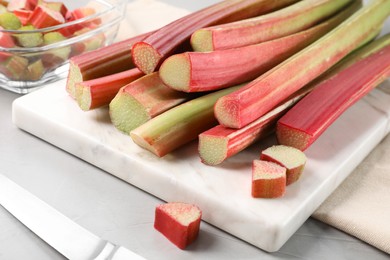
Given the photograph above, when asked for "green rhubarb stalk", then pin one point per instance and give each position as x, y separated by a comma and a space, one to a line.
205, 71
179, 125
99, 92
102, 62
220, 143
334, 93
261, 95
142, 100
154, 49
292, 19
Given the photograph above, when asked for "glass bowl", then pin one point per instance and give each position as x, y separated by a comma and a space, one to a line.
39, 56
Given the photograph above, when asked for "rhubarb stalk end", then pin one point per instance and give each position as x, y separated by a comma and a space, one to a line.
145, 57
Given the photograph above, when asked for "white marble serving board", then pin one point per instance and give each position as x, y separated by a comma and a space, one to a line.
224, 192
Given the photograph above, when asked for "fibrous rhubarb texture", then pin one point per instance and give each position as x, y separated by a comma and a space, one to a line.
179, 222
292, 159
258, 97
219, 143
305, 123
142, 100
179, 125
108, 60
99, 92
205, 71
149, 53
268, 179
43, 16
291, 19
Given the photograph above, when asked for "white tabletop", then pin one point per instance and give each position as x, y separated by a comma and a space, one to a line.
124, 214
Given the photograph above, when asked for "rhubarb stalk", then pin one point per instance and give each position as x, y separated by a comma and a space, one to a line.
99, 92
149, 53
305, 122
205, 71
179, 125
261, 95
102, 62
286, 21
141, 100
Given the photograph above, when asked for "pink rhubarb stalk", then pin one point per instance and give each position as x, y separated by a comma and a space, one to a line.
99, 92
261, 95
291, 19
305, 122
149, 53
141, 100
205, 71
101, 62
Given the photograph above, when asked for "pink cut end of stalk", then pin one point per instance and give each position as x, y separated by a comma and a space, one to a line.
175, 72
292, 137
292, 159
145, 57
268, 180
227, 111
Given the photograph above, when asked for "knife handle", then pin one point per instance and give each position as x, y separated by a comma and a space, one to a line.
113, 252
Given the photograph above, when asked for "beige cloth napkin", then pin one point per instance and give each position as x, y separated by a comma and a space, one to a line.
360, 206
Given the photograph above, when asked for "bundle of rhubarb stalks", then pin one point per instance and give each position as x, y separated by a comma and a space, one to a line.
237, 71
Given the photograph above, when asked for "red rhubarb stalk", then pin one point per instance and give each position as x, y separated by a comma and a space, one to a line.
261, 95
219, 143
99, 92
268, 179
43, 17
149, 53
305, 122
292, 19
179, 125
205, 71
141, 100
179, 222
102, 62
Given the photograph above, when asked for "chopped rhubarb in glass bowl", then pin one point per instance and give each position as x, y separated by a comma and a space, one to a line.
37, 37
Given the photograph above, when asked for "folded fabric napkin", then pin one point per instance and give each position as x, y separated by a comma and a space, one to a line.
361, 205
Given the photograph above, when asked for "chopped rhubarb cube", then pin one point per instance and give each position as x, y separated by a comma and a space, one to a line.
23, 15
21, 5
179, 222
9, 21
268, 179
59, 7
292, 159
6, 40
85, 12
43, 17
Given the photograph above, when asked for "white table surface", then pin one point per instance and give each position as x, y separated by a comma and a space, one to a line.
124, 214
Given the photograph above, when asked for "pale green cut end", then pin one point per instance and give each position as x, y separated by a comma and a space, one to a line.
290, 157
74, 77
83, 96
127, 113
202, 40
140, 141
176, 72
212, 150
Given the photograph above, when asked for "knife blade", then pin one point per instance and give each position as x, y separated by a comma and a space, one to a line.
67, 237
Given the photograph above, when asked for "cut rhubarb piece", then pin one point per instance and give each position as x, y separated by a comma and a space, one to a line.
23, 15
219, 143
85, 12
179, 125
9, 21
291, 19
34, 71
108, 60
142, 100
292, 159
59, 7
43, 17
13, 67
6, 40
268, 179
99, 92
28, 39
179, 222
205, 71
15, 5
149, 53
305, 123
265, 92
55, 56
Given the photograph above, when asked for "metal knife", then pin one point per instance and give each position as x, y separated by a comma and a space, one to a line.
64, 235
